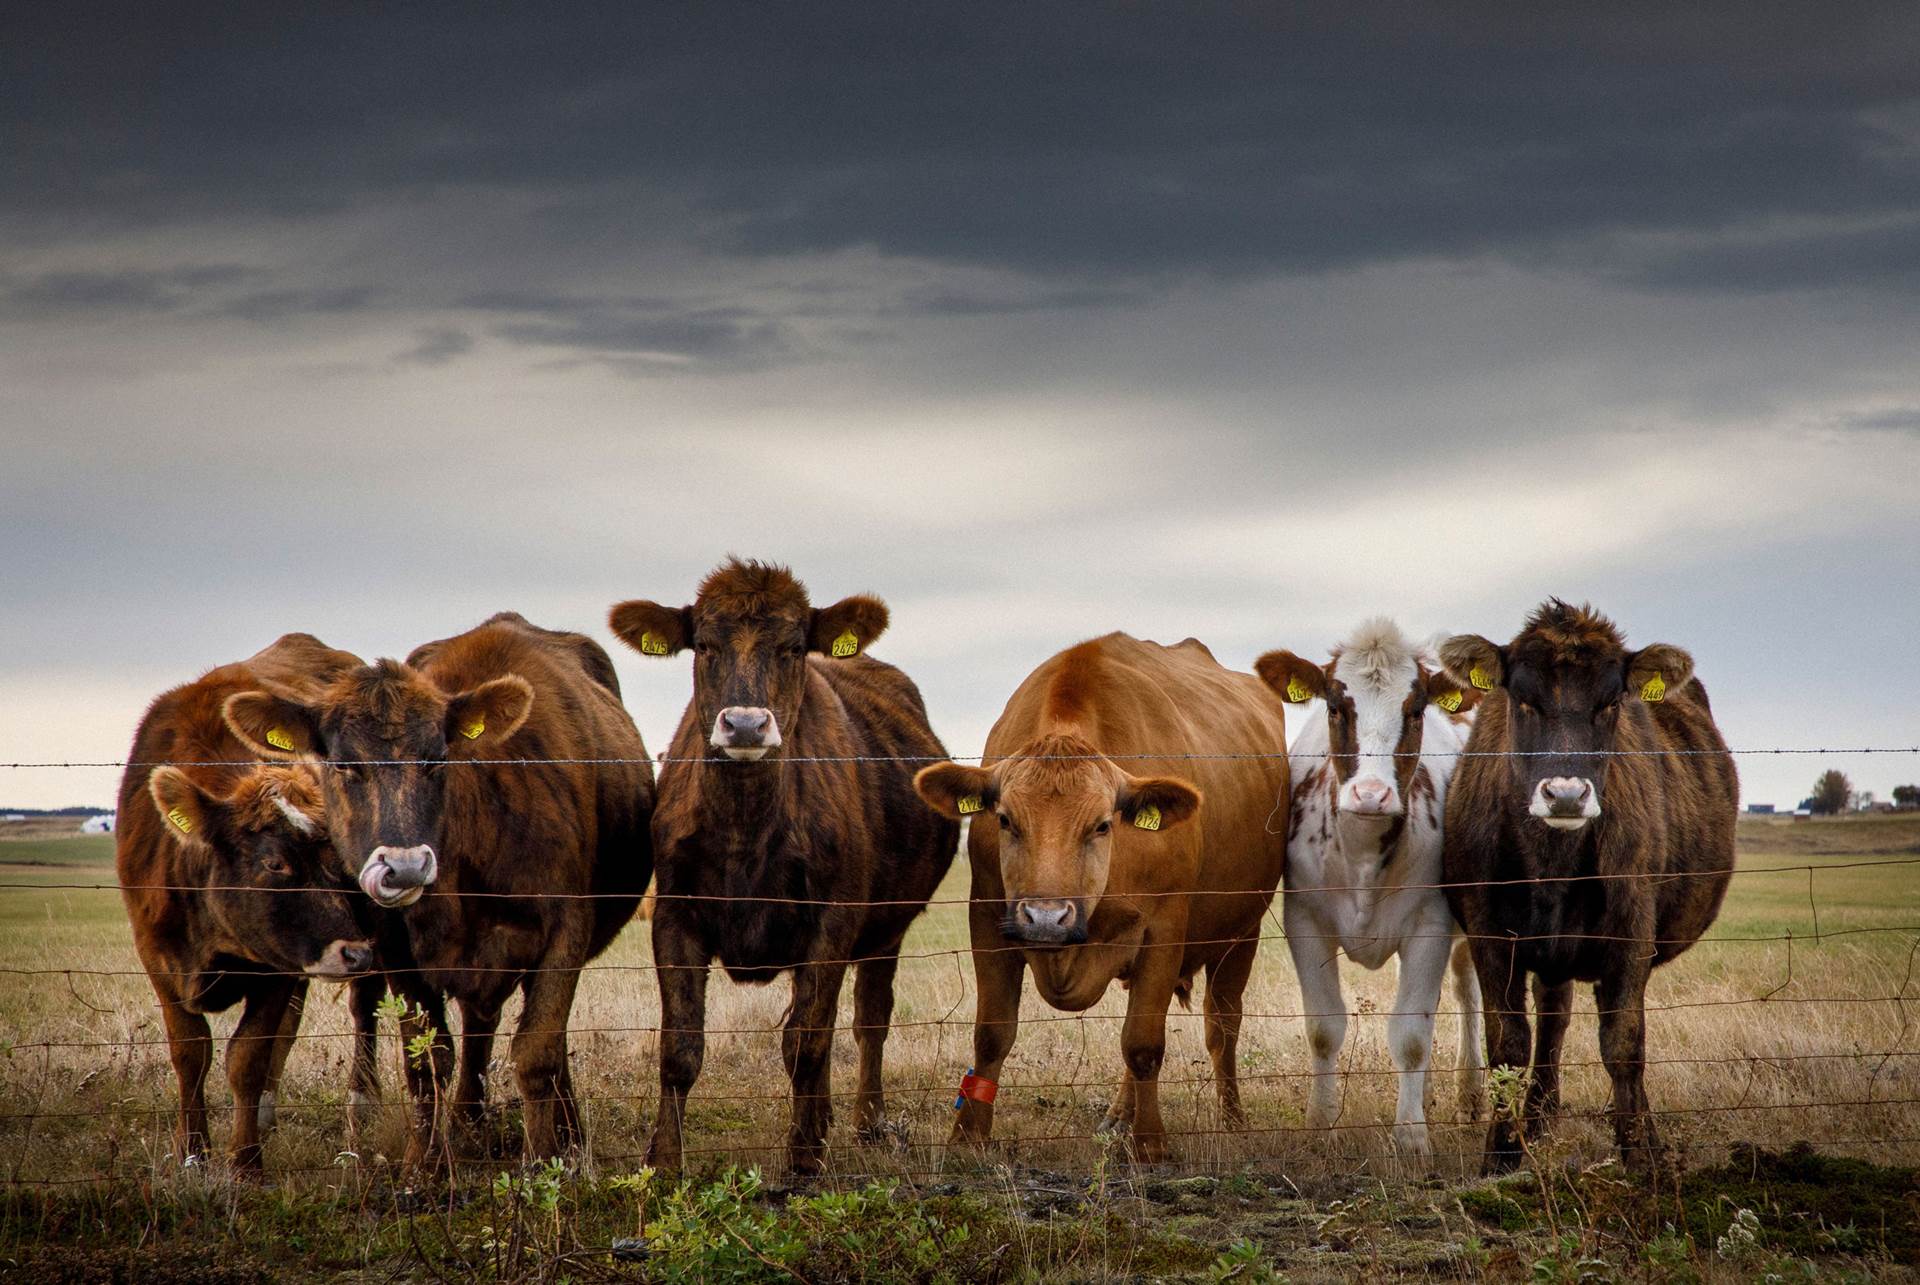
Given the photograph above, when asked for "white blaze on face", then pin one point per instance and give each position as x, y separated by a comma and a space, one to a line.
1377, 667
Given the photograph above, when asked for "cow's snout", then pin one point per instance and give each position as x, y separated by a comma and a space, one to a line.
398, 876
1370, 796
1047, 921
745, 731
1565, 802
343, 959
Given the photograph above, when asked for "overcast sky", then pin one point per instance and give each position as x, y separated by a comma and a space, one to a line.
1187, 320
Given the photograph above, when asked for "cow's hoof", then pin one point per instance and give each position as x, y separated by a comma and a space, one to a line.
1412, 1148
265, 1115
1113, 1126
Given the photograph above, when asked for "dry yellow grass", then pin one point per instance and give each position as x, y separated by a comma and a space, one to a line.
1755, 1038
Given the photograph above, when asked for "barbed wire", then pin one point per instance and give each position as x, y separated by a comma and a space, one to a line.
1177, 756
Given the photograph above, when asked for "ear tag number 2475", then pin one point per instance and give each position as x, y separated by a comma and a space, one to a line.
845, 645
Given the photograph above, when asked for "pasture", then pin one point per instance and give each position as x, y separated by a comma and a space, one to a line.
1796, 1019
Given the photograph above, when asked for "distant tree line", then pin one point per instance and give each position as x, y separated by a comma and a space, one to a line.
1833, 793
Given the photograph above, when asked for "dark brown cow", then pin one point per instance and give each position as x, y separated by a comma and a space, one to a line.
1098, 872
511, 874
232, 889
767, 854
1577, 850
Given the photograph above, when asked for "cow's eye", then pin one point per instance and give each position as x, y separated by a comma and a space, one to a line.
797, 650
1104, 827
1006, 822
348, 771
275, 866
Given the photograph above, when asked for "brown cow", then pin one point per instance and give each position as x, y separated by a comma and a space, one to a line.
1149, 902
773, 845
232, 889
1576, 850
512, 874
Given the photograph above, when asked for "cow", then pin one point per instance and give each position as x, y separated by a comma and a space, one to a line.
492, 790
1363, 862
778, 852
1589, 838
1091, 867
232, 891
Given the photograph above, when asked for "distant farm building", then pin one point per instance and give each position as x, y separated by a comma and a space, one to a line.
1760, 809
102, 824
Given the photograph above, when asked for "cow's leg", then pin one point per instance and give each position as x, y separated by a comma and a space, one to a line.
1143, 1043
540, 1056
1316, 963
1503, 993
1622, 999
680, 965
429, 1068
1226, 989
1471, 1078
1553, 1009
806, 1046
190, 1049
479, 1021
1119, 1116
363, 1077
250, 1053
998, 972
282, 1047
1423, 971
872, 1017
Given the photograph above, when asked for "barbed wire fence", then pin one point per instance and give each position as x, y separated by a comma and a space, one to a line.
1763, 1033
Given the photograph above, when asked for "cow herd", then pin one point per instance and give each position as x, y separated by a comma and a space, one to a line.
483, 818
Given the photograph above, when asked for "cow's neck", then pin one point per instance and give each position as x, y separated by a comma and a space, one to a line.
1369, 846
742, 802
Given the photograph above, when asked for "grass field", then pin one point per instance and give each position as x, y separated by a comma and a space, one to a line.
1795, 1020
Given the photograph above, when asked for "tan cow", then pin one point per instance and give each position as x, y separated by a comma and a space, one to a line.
1098, 870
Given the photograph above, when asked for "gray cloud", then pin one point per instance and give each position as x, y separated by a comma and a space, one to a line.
436, 346
48, 295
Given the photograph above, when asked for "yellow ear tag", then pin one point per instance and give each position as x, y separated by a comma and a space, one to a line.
1297, 691
845, 645
1449, 701
180, 820
279, 740
1147, 818
1478, 677
472, 730
969, 804
1654, 690
652, 646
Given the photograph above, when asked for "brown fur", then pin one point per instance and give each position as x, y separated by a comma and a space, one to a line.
764, 865
211, 919
1048, 781
1659, 816
517, 832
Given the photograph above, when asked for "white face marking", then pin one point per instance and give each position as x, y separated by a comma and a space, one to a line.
295, 817
1378, 669
1542, 807
744, 753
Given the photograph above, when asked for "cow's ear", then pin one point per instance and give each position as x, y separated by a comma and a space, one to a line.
272, 726
1155, 802
848, 626
955, 790
488, 714
190, 814
1474, 662
1297, 681
1655, 671
651, 629
1446, 691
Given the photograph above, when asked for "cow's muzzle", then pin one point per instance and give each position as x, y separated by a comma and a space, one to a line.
745, 732
1046, 921
396, 877
1371, 798
341, 960
1565, 802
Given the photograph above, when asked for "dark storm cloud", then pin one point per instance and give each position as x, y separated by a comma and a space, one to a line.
1172, 140
67, 293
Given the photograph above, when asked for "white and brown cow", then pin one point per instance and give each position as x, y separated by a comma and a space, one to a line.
1363, 862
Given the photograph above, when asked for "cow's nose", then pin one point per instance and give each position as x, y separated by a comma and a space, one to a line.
1046, 915
1371, 794
745, 726
1566, 795
357, 956
413, 867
